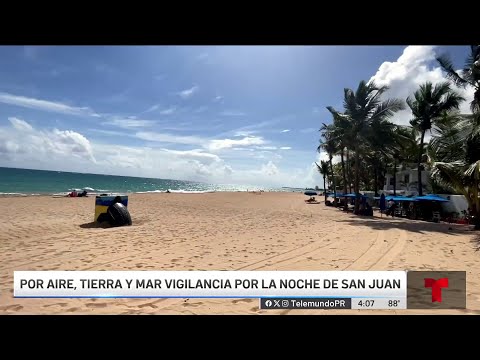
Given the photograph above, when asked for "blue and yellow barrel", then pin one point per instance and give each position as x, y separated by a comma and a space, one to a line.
103, 202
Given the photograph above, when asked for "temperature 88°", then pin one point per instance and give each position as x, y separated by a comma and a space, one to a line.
393, 303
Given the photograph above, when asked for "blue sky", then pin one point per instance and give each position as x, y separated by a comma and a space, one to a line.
224, 114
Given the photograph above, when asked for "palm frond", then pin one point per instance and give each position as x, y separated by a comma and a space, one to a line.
474, 170
448, 175
440, 90
475, 104
349, 102
387, 108
452, 100
451, 74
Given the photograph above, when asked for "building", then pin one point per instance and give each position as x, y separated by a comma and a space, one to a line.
407, 182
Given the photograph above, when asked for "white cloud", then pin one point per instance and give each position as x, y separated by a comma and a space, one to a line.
169, 138
20, 124
168, 111
269, 169
45, 105
22, 143
128, 123
232, 113
285, 148
152, 108
187, 93
217, 98
243, 133
266, 147
285, 131
215, 145
414, 67
108, 132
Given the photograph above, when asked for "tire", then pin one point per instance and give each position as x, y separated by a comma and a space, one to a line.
119, 215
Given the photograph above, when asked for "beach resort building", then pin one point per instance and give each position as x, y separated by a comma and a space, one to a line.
407, 182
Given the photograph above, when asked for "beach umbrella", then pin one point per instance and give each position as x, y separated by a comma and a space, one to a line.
431, 197
354, 195
310, 193
382, 204
402, 198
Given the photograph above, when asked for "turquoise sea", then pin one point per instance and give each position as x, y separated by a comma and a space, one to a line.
24, 182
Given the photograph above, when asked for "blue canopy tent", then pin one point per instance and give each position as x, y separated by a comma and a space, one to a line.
354, 195
332, 194
400, 198
431, 197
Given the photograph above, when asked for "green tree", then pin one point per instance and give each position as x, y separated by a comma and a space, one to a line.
330, 145
469, 75
455, 149
365, 110
323, 170
428, 105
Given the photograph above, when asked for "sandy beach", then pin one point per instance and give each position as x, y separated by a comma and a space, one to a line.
218, 231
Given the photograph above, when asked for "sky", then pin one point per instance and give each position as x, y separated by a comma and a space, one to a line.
216, 114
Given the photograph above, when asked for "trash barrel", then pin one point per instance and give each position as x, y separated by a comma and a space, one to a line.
102, 203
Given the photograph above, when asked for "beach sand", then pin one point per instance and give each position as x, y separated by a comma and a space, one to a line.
218, 231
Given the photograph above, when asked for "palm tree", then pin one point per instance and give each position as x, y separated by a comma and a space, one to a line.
404, 149
469, 75
428, 105
365, 110
329, 144
457, 159
341, 133
323, 170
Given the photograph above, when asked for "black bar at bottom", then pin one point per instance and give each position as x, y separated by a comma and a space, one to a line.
305, 303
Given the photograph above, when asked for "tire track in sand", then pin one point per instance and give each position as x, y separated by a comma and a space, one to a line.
380, 254
370, 258
391, 253
291, 254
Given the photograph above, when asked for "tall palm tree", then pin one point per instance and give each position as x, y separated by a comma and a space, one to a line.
404, 149
428, 105
323, 170
456, 165
469, 75
365, 110
330, 145
341, 132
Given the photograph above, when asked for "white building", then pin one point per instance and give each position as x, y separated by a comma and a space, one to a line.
407, 182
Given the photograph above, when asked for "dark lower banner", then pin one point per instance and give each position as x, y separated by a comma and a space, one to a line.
305, 303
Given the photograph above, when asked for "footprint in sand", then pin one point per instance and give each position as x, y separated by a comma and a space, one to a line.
187, 304
98, 305
12, 307
242, 300
147, 304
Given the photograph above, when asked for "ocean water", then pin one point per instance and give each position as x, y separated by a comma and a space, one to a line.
24, 182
